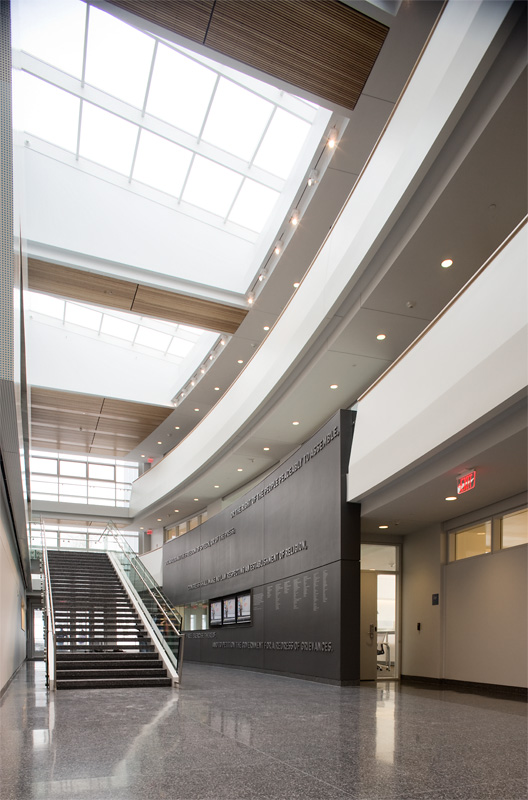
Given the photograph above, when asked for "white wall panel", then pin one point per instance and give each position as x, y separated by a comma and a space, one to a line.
12, 637
473, 359
487, 618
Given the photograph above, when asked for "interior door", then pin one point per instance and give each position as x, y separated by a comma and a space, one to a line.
368, 621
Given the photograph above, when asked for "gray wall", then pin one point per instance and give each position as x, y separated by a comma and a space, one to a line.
294, 541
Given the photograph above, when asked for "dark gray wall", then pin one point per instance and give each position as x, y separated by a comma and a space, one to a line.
294, 541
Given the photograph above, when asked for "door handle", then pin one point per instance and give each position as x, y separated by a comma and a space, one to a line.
372, 631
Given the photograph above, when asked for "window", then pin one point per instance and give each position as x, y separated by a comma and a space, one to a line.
473, 541
514, 528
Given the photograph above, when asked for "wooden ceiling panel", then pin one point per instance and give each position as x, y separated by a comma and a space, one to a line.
188, 18
110, 292
322, 46
80, 285
82, 423
188, 310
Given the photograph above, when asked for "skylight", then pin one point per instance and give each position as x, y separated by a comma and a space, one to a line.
164, 339
167, 124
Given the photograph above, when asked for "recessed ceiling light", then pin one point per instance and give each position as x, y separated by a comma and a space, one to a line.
176, 427
266, 327
142, 529
266, 448
447, 262
216, 486
334, 386
250, 299
278, 248
159, 443
451, 498
240, 469
142, 455
196, 409
159, 519
217, 388
332, 138
381, 336
240, 361
382, 527
296, 285
202, 370
211, 357
294, 219
195, 499
176, 510
222, 342
295, 423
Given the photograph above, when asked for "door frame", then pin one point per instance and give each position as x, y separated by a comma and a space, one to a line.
398, 627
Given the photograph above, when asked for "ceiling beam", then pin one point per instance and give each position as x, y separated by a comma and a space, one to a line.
102, 290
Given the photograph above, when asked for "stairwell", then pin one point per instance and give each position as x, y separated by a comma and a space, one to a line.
101, 641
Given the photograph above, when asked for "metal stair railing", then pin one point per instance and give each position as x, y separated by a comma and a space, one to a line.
165, 621
50, 648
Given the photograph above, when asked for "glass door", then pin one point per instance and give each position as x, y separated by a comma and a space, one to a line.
379, 574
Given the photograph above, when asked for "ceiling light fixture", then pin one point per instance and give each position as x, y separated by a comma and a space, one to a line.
332, 138
159, 519
222, 342
211, 357
159, 442
176, 427
278, 247
142, 529
176, 510
142, 455
217, 388
265, 448
202, 370
195, 499
382, 527
447, 262
295, 423
251, 298
266, 328
334, 386
313, 177
294, 219
240, 469
452, 497
196, 409
240, 361
216, 486
381, 336
296, 285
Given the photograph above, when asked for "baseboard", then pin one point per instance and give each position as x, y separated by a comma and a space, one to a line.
490, 689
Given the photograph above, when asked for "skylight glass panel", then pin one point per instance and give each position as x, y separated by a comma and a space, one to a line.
282, 143
107, 139
119, 328
237, 119
180, 347
83, 316
211, 186
161, 164
45, 111
180, 90
53, 31
154, 339
44, 304
253, 205
118, 58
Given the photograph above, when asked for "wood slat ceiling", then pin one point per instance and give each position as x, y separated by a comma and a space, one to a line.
127, 296
322, 46
87, 424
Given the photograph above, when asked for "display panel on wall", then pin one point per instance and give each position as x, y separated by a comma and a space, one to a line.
231, 610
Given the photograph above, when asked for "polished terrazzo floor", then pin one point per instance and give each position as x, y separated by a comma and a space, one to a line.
234, 735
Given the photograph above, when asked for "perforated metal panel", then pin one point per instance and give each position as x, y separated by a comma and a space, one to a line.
6, 189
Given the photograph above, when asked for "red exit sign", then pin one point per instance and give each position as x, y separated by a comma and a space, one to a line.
466, 482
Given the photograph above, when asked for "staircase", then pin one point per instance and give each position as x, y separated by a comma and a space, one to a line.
101, 642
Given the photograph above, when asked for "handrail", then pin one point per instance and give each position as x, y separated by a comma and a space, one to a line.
50, 615
111, 529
